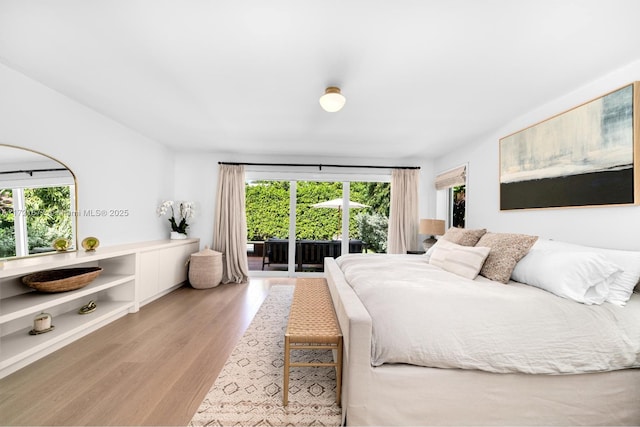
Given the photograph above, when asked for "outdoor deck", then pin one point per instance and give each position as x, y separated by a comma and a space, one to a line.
255, 264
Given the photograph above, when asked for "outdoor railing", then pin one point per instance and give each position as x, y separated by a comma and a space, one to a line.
309, 253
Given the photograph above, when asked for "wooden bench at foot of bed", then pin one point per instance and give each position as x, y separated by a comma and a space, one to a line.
312, 325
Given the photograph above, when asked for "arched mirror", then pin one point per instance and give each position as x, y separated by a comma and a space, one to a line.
37, 203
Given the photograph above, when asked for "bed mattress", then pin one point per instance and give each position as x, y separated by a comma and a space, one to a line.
426, 316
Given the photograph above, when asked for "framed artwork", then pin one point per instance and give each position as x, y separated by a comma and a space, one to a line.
587, 156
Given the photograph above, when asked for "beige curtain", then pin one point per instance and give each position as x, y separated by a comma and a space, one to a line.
230, 228
404, 215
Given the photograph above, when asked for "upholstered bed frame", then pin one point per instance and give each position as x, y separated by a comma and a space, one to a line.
411, 395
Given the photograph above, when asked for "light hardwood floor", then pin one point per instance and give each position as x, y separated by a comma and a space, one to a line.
153, 367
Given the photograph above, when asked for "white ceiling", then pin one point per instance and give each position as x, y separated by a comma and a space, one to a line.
420, 77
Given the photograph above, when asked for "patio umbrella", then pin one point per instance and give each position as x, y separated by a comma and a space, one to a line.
337, 204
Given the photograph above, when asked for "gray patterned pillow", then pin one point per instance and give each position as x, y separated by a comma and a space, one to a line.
463, 236
506, 250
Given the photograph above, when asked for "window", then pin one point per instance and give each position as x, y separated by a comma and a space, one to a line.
32, 218
457, 206
451, 196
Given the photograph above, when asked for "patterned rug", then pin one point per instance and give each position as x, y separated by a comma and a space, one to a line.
248, 391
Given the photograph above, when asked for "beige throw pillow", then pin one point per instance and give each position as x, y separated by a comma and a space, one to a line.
439, 252
465, 261
463, 236
506, 250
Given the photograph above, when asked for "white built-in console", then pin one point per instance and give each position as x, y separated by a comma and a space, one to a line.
132, 275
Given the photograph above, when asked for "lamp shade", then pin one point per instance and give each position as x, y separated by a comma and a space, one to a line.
332, 100
432, 227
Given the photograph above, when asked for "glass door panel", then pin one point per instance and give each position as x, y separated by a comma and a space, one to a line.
318, 223
267, 209
369, 225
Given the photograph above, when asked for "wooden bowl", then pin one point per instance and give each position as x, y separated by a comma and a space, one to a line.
62, 280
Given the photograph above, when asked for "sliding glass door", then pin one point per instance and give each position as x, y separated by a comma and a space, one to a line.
328, 218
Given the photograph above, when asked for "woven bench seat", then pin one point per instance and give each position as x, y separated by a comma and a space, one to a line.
312, 325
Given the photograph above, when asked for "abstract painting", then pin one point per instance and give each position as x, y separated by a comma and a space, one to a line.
586, 156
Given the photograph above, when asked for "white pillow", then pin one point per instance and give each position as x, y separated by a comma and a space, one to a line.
625, 282
629, 261
585, 277
465, 261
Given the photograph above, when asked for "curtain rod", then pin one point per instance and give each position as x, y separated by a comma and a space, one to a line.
319, 166
30, 172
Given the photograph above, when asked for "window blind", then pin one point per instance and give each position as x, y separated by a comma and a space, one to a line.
451, 178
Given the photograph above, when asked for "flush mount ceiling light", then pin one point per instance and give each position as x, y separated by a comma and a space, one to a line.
332, 100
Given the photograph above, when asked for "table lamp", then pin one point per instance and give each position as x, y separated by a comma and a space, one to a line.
431, 227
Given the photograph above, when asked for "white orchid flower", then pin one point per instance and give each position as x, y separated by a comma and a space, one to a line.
186, 211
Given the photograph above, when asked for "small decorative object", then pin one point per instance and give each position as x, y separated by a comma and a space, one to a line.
90, 244
62, 280
42, 324
61, 244
90, 307
178, 227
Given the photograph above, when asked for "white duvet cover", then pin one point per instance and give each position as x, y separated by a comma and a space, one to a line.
423, 315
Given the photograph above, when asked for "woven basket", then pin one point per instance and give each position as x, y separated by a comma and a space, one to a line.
205, 269
66, 279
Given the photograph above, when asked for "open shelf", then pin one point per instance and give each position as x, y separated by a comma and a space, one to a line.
127, 280
20, 345
31, 302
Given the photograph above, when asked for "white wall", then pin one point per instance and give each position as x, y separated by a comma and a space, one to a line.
611, 227
196, 180
115, 167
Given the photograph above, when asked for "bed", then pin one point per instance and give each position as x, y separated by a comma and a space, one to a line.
486, 382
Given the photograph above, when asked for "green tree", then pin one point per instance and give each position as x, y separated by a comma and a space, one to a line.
317, 223
267, 209
7, 228
372, 229
375, 194
47, 214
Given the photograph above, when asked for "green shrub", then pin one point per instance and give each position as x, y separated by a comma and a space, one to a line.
372, 229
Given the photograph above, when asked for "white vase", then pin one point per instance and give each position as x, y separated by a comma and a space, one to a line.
177, 236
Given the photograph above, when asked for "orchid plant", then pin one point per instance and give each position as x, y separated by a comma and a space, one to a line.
185, 210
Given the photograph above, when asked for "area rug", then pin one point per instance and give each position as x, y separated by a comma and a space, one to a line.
248, 391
